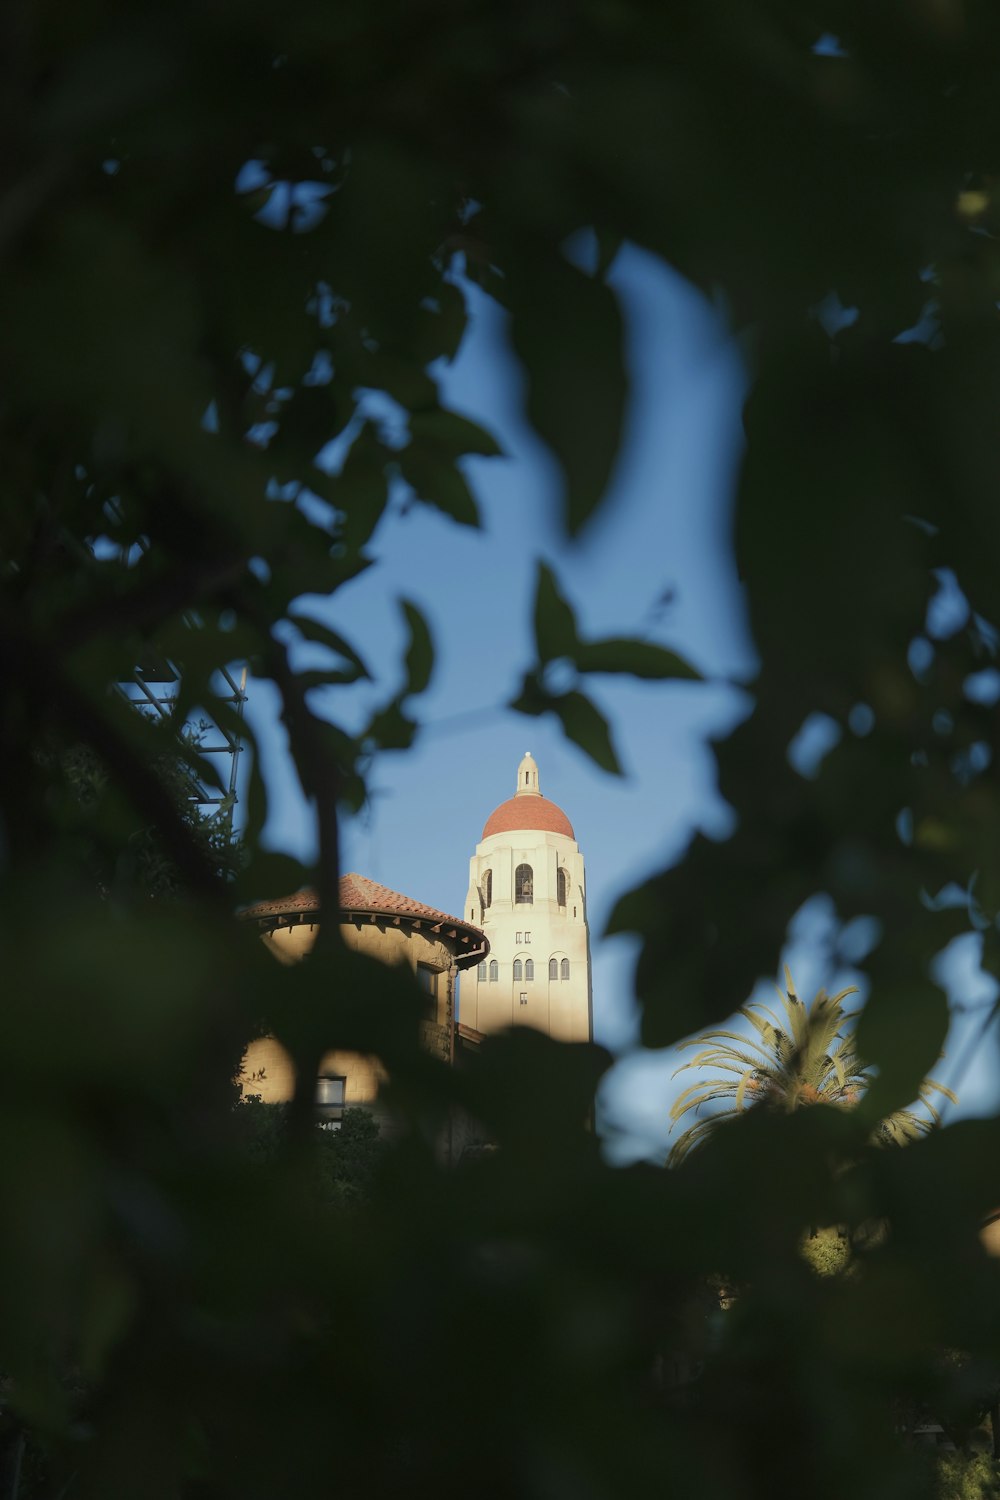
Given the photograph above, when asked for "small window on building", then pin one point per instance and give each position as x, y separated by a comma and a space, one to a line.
523, 885
330, 1101
481, 972
517, 970
517, 938
486, 889
494, 970
564, 969
553, 968
524, 998
427, 978
574, 911
527, 937
562, 886
529, 968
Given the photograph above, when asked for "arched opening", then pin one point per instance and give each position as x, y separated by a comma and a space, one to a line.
486, 890
481, 972
564, 969
518, 966
529, 968
494, 970
562, 886
523, 885
553, 968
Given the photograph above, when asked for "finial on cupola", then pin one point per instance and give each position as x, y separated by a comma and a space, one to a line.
527, 778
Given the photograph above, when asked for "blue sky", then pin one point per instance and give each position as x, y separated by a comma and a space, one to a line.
657, 563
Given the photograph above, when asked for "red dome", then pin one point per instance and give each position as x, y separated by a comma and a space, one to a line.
528, 813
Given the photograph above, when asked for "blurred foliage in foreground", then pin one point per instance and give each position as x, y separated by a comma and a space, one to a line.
232, 235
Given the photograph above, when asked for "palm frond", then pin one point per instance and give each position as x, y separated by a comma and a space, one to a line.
808, 1058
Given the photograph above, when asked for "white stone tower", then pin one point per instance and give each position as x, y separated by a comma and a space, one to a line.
528, 891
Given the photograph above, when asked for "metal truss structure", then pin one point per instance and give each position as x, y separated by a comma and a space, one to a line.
152, 689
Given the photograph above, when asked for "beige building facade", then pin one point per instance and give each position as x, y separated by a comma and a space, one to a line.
386, 925
528, 893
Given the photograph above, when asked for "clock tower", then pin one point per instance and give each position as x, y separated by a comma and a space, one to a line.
527, 891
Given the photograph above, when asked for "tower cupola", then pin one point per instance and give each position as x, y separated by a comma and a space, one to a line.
527, 777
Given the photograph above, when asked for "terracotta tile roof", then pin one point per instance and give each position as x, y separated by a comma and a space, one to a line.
359, 894
528, 813
304, 900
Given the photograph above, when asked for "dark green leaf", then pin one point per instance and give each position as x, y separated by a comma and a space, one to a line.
567, 330
315, 630
555, 623
453, 434
532, 699
325, 677
438, 482
268, 877
587, 727
636, 658
419, 651
306, 423
361, 490
902, 1032
609, 243
390, 729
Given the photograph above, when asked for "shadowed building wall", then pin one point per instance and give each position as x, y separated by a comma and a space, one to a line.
386, 925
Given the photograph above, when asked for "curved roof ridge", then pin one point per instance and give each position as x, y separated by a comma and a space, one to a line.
357, 893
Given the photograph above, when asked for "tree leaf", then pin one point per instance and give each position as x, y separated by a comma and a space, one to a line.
567, 330
315, 630
390, 728
419, 652
587, 727
306, 423
555, 623
636, 658
361, 489
438, 482
455, 435
532, 699
324, 677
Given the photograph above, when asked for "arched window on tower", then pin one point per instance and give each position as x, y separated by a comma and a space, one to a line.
517, 968
562, 886
481, 972
553, 968
494, 970
564, 969
523, 885
529, 968
486, 889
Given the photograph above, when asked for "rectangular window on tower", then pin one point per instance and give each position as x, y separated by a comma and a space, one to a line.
524, 998
517, 939
330, 1092
527, 937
